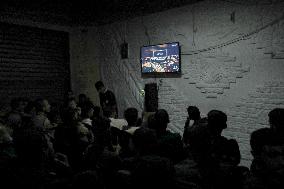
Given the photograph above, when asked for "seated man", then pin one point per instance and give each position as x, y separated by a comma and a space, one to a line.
193, 121
40, 119
224, 153
267, 148
169, 144
87, 114
146, 169
276, 121
131, 116
217, 122
193, 116
15, 116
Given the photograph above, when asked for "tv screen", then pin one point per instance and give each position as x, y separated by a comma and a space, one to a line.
161, 59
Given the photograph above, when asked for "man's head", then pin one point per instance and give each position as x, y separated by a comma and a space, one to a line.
145, 140
258, 140
69, 94
71, 103
100, 86
131, 116
97, 111
268, 148
161, 119
18, 104
82, 98
217, 121
276, 119
42, 105
88, 111
193, 113
82, 133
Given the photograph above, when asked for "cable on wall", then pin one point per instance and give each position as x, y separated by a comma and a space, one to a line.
232, 41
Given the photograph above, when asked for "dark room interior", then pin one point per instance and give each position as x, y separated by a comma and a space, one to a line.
142, 94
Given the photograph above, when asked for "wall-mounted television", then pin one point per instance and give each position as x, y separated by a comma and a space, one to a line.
160, 60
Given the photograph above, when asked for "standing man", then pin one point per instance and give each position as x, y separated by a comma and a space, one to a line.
107, 100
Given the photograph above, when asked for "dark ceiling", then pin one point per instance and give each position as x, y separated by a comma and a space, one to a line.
76, 12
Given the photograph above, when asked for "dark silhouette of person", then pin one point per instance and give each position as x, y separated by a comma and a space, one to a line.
131, 116
267, 148
169, 143
224, 153
147, 169
193, 114
276, 121
107, 100
193, 120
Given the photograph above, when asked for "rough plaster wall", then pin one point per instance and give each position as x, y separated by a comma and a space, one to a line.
232, 60
84, 63
120, 76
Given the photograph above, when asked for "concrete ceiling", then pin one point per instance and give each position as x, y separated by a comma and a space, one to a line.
80, 12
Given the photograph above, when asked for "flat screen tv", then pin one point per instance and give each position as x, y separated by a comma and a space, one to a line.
162, 59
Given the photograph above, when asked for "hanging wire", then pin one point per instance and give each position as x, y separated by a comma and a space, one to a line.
253, 2
232, 41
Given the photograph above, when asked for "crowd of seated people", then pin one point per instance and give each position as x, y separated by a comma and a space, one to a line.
75, 146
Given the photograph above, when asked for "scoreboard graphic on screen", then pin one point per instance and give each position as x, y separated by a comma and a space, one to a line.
164, 58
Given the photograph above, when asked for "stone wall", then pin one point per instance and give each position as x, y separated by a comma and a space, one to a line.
232, 60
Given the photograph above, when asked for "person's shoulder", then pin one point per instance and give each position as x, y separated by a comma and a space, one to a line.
263, 130
221, 140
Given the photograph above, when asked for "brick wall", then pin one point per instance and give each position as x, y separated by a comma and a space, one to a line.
84, 69
251, 113
232, 60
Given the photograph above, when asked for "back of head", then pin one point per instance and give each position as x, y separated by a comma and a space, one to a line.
70, 103
258, 140
41, 105
161, 120
30, 108
196, 132
276, 119
144, 140
82, 97
131, 116
97, 111
217, 121
151, 121
193, 112
99, 85
267, 149
107, 113
197, 138
14, 120
69, 94
153, 172
88, 110
70, 116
